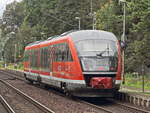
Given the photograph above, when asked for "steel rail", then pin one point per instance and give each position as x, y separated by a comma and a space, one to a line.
106, 110
132, 107
31, 100
95, 106
120, 104
12, 75
6, 105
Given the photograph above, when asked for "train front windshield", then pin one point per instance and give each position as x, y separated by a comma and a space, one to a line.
98, 55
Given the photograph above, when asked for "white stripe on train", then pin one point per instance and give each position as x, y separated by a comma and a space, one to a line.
64, 80
57, 79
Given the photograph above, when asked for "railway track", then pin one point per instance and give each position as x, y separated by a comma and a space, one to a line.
95, 106
133, 108
13, 76
4, 106
114, 107
37, 106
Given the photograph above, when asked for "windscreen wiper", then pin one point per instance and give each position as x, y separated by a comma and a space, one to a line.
101, 53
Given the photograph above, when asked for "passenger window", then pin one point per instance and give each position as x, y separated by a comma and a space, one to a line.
69, 55
62, 53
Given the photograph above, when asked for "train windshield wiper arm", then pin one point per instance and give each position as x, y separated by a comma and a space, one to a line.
106, 50
100, 54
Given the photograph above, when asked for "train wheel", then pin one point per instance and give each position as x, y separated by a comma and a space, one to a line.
46, 86
38, 79
65, 90
28, 80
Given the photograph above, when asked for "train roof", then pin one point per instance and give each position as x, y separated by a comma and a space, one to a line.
37, 42
78, 35
92, 34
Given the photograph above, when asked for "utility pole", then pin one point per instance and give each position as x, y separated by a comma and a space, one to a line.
143, 77
91, 6
123, 37
15, 53
94, 20
93, 15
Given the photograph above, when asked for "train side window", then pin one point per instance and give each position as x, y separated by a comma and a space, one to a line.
31, 59
36, 58
62, 53
69, 55
41, 58
58, 55
30, 56
50, 57
46, 62
44, 59
55, 52
52, 53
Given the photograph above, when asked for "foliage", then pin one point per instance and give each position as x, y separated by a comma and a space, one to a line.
32, 20
19, 66
110, 18
1, 64
136, 81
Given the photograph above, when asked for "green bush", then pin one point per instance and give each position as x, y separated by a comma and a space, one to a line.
136, 81
1, 64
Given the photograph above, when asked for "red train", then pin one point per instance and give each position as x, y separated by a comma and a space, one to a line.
85, 63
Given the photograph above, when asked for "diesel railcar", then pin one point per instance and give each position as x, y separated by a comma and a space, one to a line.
84, 63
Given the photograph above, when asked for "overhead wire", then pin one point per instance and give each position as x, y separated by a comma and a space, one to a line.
62, 20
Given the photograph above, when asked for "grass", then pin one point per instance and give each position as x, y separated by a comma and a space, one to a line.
136, 81
19, 66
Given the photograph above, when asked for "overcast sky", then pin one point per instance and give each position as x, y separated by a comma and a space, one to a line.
3, 5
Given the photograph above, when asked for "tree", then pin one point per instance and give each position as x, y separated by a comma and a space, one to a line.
137, 29
12, 20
